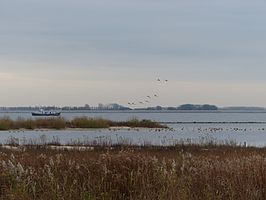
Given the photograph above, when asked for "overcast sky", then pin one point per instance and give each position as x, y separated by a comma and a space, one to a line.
72, 52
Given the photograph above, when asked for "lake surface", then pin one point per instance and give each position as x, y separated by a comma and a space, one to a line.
187, 127
236, 116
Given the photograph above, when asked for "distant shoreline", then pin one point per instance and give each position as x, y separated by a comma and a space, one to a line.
114, 107
144, 111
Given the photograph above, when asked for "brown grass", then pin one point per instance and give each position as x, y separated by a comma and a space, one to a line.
193, 172
79, 122
84, 122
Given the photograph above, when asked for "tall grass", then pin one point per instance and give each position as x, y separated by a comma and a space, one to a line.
6, 124
146, 173
52, 123
84, 122
79, 122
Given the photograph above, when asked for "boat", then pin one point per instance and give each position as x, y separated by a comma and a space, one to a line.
45, 113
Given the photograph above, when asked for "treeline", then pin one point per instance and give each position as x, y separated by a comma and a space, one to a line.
186, 107
111, 107
197, 107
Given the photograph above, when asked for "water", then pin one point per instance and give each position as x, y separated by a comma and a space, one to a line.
247, 131
159, 116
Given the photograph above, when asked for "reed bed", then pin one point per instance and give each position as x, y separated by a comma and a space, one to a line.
79, 122
134, 173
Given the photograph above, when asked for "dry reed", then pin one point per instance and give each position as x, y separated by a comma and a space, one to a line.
79, 122
132, 173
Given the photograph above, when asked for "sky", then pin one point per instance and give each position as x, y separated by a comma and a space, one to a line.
76, 52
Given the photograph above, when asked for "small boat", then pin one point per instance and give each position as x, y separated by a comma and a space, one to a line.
46, 113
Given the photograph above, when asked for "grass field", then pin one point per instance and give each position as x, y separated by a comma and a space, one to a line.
180, 172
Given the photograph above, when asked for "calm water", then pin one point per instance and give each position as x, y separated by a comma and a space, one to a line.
253, 134
160, 116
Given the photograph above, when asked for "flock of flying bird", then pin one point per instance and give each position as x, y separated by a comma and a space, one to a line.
148, 97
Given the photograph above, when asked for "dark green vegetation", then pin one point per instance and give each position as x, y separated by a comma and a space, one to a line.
80, 122
197, 107
180, 172
184, 107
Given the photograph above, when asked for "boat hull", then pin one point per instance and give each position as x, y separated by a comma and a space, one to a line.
46, 114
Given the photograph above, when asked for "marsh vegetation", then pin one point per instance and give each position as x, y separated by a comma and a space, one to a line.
121, 172
78, 122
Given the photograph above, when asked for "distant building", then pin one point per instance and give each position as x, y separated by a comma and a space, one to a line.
87, 107
100, 106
